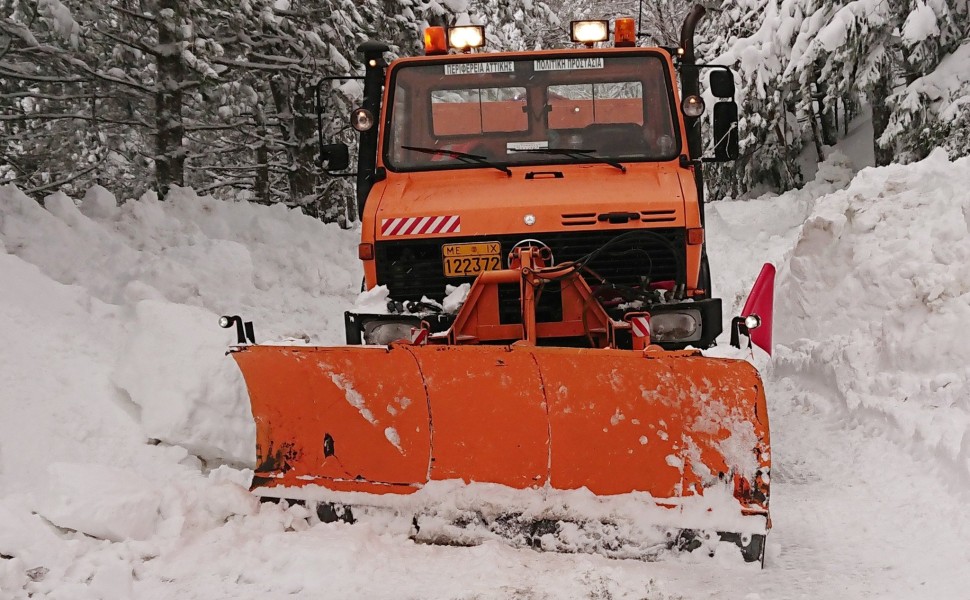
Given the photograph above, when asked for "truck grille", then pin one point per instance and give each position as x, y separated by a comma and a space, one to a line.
413, 268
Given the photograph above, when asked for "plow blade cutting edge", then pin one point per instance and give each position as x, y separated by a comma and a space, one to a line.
598, 435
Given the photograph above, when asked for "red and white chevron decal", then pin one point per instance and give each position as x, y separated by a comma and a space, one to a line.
420, 225
640, 326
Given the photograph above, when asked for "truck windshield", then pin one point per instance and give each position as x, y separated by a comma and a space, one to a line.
527, 110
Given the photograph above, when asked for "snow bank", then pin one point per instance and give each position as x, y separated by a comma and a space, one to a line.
873, 300
116, 388
148, 280
744, 234
190, 394
123, 505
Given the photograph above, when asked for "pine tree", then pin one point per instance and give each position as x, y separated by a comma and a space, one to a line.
930, 110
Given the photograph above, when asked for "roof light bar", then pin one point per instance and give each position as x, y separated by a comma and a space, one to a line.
589, 32
466, 37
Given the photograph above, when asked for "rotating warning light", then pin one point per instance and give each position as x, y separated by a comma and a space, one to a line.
466, 37
625, 32
434, 41
589, 32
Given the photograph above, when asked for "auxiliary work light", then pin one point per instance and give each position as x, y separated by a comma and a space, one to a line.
466, 37
589, 32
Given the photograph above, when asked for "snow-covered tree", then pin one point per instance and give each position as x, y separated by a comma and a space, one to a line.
805, 64
932, 108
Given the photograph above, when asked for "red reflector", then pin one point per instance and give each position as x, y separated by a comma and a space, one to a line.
695, 237
365, 251
434, 41
625, 32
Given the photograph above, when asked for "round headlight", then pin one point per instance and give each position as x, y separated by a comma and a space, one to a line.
362, 119
225, 322
693, 106
752, 322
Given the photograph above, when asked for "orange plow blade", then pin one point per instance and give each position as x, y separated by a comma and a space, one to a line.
666, 426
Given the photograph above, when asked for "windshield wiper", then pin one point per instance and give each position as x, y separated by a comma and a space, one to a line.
575, 153
462, 156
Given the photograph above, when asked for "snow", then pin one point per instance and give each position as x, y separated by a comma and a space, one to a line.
122, 506
372, 301
946, 89
394, 437
456, 295
125, 438
60, 19
353, 397
204, 415
920, 24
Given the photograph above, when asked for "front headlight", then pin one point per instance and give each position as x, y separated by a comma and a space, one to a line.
362, 119
383, 333
680, 326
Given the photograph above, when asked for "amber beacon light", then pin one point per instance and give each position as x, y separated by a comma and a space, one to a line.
434, 41
625, 32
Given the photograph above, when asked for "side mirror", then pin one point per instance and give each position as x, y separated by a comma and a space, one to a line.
726, 141
337, 156
722, 83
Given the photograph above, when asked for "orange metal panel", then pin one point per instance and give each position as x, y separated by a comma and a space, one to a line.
615, 421
370, 401
623, 422
726, 423
488, 414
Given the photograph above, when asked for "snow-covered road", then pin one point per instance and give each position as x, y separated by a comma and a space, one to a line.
117, 404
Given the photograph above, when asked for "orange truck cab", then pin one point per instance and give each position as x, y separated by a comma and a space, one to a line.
590, 154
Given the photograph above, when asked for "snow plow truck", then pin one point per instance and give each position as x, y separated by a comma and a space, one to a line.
537, 219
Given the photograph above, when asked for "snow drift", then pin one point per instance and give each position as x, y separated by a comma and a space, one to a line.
875, 298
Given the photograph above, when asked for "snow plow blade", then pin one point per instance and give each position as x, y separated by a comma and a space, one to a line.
666, 429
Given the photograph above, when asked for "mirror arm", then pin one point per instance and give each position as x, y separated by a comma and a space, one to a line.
727, 134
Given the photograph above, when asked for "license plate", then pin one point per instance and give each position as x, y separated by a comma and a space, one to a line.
465, 260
